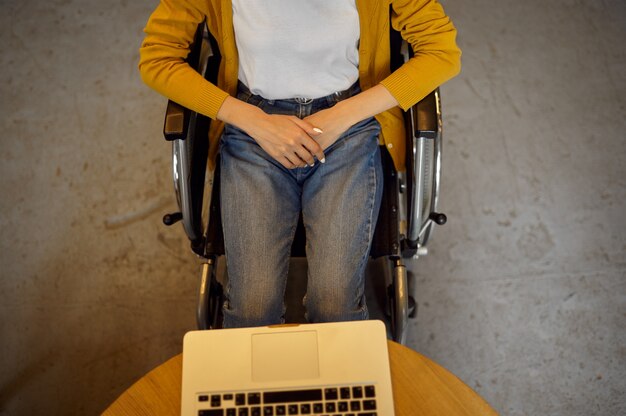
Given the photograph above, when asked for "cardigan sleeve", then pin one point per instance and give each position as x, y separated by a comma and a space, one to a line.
169, 33
432, 35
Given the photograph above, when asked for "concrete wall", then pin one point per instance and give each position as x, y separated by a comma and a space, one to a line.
523, 295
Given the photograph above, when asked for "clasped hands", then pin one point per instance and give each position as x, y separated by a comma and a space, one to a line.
295, 142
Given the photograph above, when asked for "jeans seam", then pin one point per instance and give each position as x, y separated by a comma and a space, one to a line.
372, 180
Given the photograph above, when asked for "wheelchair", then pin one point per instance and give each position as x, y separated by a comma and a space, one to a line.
408, 211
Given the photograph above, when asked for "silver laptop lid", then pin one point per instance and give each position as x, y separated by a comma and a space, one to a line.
278, 369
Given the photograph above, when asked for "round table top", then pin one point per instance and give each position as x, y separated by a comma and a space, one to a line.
420, 387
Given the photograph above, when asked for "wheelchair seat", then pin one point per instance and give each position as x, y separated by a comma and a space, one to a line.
408, 210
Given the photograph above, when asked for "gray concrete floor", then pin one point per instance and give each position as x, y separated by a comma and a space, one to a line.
523, 295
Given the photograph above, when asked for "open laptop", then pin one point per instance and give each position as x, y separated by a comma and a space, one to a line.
311, 369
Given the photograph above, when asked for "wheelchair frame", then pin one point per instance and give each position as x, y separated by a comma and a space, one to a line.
407, 214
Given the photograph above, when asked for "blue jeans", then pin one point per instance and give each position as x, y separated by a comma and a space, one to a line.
261, 201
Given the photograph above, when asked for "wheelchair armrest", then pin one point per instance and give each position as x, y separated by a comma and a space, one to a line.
424, 125
427, 116
176, 121
204, 57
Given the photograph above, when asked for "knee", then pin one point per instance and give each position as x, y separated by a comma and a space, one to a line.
253, 310
251, 315
335, 306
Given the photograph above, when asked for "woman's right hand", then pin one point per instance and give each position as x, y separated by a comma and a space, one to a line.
287, 139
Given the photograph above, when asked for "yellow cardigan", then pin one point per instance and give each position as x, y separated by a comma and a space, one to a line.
422, 23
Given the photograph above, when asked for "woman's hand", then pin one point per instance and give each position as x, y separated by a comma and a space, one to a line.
336, 120
287, 139
333, 123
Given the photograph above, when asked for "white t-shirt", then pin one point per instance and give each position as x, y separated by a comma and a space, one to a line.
297, 48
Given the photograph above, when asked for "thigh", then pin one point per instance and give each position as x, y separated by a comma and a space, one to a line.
340, 208
260, 206
255, 189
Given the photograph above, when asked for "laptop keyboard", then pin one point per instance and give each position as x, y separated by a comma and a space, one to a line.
331, 401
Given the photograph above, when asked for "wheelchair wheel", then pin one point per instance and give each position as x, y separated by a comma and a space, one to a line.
424, 166
189, 165
188, 132
399, 302
211, 297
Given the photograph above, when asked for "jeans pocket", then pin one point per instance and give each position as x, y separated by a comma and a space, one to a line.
234, 133
367, 129
369, 124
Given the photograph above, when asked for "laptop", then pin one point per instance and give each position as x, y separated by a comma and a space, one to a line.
337, 368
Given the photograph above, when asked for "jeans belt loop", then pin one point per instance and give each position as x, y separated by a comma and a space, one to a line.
342, 95
303, 101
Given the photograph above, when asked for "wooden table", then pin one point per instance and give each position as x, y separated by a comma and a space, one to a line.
420, 388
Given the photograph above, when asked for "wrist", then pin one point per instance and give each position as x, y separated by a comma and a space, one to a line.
348, 112
239, 113
366, 104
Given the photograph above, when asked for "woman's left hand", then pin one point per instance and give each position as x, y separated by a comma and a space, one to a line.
336, 120
333, 122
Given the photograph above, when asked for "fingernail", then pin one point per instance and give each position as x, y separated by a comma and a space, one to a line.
317, 130
323, 160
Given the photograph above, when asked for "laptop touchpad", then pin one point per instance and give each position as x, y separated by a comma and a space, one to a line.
285, 356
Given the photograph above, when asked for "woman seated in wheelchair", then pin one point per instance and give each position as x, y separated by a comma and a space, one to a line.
305, 95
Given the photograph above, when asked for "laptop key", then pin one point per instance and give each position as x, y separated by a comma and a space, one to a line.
254, 398
243, 411
216, 400
305, 409
357, 392
369, 404
211, 412
345, 392
370, 391
240, 399
330, 394
292, 396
